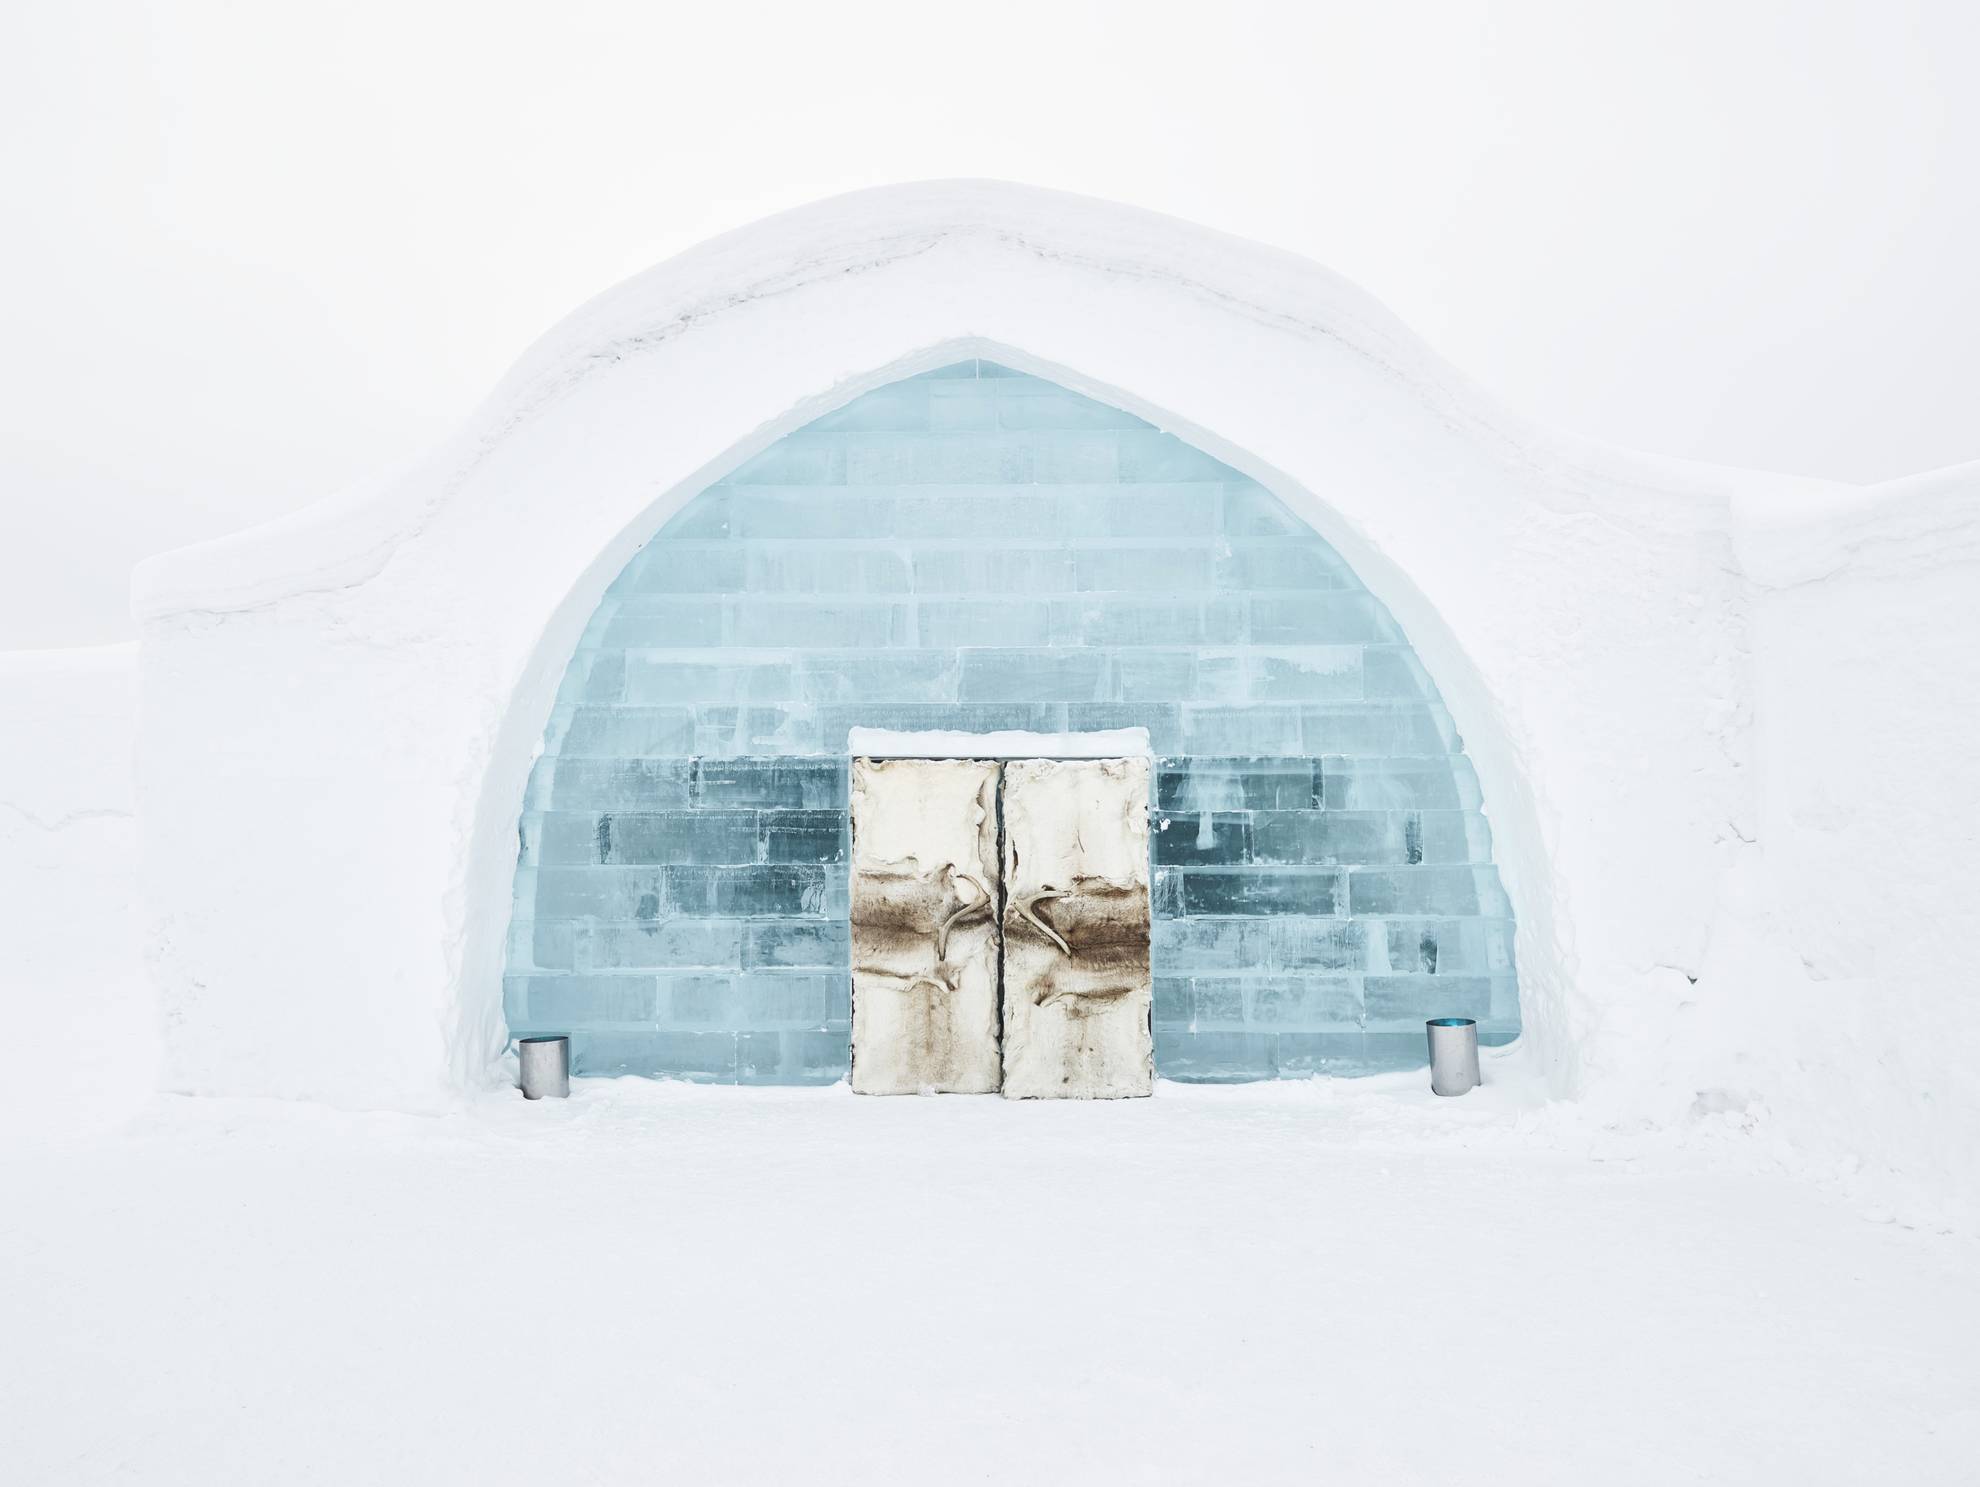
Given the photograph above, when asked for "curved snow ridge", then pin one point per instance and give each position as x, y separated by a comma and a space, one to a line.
990, 227
1909, 525
335, 543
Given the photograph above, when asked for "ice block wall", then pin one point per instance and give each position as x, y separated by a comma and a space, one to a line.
978, 549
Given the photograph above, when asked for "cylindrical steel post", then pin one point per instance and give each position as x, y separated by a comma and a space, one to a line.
1453, 1054
546, 1067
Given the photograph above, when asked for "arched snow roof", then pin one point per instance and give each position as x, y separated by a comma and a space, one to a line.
1578, 606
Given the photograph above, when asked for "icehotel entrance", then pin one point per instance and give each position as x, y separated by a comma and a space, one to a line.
1001, 927
971, 552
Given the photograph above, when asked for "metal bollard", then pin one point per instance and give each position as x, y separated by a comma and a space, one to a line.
546, 1067
1453, 1054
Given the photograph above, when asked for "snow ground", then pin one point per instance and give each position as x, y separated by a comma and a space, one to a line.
1309, 1282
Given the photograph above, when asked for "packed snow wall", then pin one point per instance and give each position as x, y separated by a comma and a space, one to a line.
1838, 988
977, 549
72, 984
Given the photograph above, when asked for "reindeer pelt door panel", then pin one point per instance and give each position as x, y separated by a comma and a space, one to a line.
1077, 985
925, 926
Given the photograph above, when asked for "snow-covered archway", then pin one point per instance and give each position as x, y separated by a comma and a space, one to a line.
341, 710
977, 549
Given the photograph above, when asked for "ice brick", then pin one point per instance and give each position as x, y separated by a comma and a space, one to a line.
1428, 890
553, 1003
1213, 1057
809, 1056
1263, 891
1414, 999
773, 943
1211, 784
794, 784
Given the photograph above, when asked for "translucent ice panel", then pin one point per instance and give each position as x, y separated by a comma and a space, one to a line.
977, 549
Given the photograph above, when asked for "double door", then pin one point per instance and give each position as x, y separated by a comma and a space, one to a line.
1000, 927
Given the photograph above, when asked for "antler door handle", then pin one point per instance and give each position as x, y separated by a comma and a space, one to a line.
1030, 902
963, 912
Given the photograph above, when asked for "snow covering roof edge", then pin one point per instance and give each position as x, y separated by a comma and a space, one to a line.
347, 538
1003, 743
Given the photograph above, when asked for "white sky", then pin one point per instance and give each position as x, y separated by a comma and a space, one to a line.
253, 251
